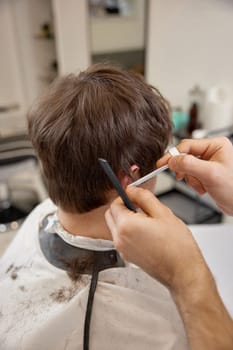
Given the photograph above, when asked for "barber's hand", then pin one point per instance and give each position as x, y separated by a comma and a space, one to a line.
211, 172
156, 240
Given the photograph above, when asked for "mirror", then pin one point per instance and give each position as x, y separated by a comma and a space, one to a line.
109, 18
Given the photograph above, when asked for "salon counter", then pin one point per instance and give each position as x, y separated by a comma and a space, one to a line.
216, 244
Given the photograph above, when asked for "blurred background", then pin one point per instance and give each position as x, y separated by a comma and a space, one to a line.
183, 47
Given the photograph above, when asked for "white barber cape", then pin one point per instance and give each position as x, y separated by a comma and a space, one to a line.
41, 308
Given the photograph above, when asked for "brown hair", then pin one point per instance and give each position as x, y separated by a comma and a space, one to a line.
102, 112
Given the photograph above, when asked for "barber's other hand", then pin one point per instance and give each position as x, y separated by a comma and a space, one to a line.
211, 172
156, 240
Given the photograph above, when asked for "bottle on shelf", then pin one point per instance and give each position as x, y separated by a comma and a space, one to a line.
193, 118
196, 102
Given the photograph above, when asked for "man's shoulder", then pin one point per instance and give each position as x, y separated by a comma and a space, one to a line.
42, 209
37, 214
25, 242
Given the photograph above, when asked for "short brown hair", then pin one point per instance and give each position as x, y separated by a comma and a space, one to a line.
102, 112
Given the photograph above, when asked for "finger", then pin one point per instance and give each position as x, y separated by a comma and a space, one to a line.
118, 212
197, 147
195, 184
114, 232
146, 201
190, 165
183, 147
164, 160
143, 199
180, 176
203, 148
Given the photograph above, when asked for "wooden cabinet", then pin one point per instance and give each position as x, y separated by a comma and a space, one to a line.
39, 40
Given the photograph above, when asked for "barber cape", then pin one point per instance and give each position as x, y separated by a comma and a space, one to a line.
41, 308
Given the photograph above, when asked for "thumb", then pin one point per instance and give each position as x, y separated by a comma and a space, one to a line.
118, 211
146, 200
190, 165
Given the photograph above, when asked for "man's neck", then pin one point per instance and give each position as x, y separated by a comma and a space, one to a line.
91, 224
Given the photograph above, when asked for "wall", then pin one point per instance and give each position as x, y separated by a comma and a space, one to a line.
189, 42
25, 60
72, 35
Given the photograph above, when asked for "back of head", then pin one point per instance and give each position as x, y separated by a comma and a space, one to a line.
102, 112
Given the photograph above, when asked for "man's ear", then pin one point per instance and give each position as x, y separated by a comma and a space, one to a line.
126, 180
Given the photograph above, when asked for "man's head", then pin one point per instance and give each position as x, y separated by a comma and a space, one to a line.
103, 112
